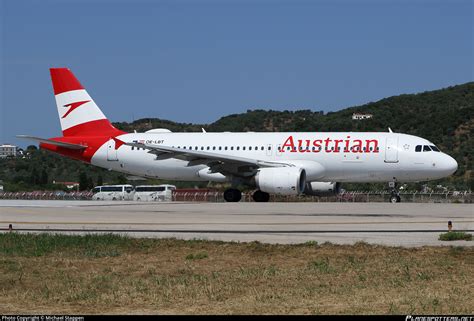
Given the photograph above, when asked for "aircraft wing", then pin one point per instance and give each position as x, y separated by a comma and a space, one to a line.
52, 142
225, 164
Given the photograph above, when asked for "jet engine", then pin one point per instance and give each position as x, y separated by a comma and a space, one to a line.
322, 188
281, 180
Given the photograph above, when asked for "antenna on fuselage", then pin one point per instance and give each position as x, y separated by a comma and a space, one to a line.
203, 130
390, 130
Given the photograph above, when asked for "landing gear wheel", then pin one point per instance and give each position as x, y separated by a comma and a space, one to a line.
395, 195
259, 196
232, 195
394, 199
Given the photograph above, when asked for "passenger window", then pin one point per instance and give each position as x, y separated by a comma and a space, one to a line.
250, 147
208, 147
220, 147
434, 148
418, 148
225, 148
238, 147
243, 148
232, 148
426, 148
262, 148
214, 148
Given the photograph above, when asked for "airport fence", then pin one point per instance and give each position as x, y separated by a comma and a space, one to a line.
356, 196
47, 195
217, 197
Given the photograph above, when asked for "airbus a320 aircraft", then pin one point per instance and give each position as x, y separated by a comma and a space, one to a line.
312, 163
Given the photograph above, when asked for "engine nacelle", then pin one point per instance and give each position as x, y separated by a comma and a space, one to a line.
281, 180
322, 188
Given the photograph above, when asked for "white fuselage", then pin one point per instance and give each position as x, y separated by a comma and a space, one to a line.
334, 156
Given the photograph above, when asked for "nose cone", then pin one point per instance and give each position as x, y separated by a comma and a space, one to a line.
449, 165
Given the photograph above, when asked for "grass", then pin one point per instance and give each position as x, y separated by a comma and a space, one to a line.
453, 236
57, 274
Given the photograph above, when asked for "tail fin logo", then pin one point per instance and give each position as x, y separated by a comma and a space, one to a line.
73, 106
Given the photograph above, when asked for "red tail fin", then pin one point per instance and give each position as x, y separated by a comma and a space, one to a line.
78, 113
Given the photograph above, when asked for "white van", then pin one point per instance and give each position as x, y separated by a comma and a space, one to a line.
149, 193
113, 192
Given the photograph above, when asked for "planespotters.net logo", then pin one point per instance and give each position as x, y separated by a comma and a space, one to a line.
439, 318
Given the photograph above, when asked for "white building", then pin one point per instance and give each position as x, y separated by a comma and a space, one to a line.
358, 116
8, 150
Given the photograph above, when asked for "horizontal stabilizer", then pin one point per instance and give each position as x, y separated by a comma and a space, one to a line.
53, 142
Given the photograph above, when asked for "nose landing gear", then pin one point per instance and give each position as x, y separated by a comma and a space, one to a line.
394, 194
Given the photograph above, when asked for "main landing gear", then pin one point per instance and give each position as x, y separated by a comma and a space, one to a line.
394, 194
259, 196
232, 195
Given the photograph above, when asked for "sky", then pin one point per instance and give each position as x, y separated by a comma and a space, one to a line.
196, 61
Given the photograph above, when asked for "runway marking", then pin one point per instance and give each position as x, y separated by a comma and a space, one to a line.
229, 231
226, 223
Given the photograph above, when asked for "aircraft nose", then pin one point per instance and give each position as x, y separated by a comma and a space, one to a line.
449, 164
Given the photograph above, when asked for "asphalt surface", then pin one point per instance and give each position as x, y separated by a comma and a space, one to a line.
404, 224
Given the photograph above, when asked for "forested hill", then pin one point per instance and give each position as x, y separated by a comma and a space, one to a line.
443, 116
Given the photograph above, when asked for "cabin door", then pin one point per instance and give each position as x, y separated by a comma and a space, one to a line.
391, 149
111, 151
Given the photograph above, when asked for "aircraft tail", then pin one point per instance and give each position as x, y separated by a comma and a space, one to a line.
78, 113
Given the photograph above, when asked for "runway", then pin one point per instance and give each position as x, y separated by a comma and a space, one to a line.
404, 224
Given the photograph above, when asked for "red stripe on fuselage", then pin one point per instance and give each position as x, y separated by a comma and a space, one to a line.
85, 155
92, 134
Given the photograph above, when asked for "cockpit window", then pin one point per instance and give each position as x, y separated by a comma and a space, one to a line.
418, 148
433, 147
426, 148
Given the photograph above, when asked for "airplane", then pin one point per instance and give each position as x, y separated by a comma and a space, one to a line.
284, 163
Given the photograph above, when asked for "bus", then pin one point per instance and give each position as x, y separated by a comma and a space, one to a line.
113, 192
149, 193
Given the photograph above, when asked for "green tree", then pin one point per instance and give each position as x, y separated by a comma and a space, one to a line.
44, 177
100, 180
83, 181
